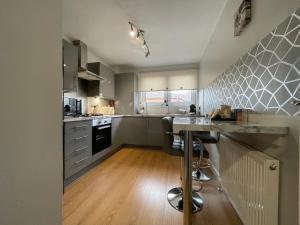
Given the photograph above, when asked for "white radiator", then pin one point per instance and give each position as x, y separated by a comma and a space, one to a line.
251, 181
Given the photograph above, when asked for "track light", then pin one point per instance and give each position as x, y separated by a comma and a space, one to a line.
134, 30
132, 33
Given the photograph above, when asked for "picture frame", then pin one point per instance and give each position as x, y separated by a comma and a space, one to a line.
242, 17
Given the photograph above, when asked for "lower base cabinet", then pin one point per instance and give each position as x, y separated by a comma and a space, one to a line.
137, 131
77, 146
116, 136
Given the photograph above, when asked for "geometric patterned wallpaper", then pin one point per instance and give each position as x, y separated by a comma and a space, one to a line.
267, 78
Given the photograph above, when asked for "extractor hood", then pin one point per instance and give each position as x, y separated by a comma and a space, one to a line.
88, 75
85, 70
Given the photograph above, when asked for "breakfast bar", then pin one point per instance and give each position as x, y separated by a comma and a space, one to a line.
189, 124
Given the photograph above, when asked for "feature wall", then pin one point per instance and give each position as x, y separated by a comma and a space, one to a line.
265, 79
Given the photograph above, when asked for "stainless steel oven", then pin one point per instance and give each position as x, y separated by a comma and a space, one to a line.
101, 137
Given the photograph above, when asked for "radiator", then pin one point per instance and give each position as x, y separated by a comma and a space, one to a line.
251, 181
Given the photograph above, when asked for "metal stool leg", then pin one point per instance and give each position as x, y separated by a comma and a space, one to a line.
199, 174
175, 198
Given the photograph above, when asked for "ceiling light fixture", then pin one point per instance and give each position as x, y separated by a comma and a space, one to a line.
132, 33
140, 36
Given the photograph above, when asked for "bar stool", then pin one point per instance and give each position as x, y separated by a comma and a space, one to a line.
203, 137
174, 147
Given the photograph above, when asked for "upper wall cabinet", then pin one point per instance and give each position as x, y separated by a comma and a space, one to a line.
104, 87
94, 86
108, 82
70, 66
168, 80
82, 55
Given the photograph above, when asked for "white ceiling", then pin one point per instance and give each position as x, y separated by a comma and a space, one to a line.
177, 31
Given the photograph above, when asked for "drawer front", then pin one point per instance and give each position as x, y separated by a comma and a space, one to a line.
77, 137
73, 152
76, 144
77, 163
78, 129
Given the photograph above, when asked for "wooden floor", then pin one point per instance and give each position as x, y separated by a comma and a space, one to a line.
130, 188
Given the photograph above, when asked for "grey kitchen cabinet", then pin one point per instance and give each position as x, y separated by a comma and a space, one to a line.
137, 131
125, 87
108, 83
116, 133
155, 131
94, 86
70, 67
134, 130
77, 146
82, 55
104, 87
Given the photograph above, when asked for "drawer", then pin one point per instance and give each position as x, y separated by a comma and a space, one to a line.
73, 152
76, 143
78, 129
77, 163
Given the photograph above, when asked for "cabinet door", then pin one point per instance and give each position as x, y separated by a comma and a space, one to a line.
155, 131
116, 133
94, 88
108, 84
134, 130
70, 66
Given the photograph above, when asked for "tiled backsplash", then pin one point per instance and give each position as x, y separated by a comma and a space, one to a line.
267, 78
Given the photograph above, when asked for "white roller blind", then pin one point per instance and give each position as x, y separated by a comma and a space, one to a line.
182, 79
168, 80
154, 81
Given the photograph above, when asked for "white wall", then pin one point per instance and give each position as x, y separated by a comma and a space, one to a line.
31, 163
224, 49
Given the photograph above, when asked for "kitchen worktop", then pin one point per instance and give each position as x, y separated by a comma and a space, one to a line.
204, 124
74, 119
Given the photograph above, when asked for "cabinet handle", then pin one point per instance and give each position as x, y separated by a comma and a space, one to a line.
80, 138
81, 160
81, 149
79, 127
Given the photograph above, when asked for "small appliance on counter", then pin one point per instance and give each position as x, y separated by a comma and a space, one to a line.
192, 109
72, 107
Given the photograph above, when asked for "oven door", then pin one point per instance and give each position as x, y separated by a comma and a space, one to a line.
101, 138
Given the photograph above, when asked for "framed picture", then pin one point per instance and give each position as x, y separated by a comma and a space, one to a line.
242, 17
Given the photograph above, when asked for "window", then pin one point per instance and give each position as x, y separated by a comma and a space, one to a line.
180, 96
155, 97
161, 102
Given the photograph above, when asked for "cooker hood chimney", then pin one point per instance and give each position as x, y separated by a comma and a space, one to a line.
83, 69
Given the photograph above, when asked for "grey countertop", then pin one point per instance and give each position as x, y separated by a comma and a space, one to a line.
74, 119
203, 124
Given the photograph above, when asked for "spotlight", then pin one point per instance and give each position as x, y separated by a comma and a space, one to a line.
132, 33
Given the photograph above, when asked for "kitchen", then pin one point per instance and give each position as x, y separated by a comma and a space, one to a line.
150, 112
